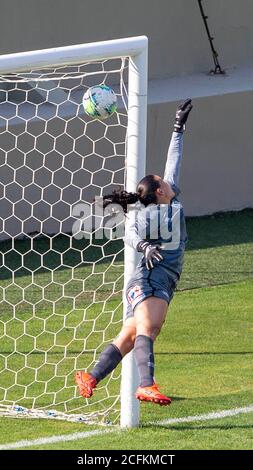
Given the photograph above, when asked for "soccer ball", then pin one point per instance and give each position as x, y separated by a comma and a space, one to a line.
100, 102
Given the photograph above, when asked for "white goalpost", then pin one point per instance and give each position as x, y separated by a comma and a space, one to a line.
61, 289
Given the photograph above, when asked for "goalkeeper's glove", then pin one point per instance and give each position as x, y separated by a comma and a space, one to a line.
182, 114
150, 252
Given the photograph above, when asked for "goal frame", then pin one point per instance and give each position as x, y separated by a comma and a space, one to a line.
136, 49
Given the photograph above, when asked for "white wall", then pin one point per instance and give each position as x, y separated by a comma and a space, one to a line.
218, 166
217, 169
178, 42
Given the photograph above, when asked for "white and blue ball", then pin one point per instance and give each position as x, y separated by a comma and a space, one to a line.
100, 102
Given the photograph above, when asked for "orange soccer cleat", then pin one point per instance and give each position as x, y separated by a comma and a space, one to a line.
86, 383
153, 394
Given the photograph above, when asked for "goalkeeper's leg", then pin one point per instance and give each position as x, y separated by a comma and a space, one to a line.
108, 360
150, 315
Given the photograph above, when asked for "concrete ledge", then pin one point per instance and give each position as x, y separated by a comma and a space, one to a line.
200, 85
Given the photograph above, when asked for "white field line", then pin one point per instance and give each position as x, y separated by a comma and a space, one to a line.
82, 435
51, 440
206, 417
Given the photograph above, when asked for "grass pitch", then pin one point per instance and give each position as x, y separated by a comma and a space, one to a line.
203, 355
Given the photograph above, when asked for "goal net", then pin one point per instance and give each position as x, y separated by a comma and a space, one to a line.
62, 266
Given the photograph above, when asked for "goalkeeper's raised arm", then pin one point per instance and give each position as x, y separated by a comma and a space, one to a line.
152, 189
175, 152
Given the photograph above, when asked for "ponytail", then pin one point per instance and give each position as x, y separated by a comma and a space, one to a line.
145, 194
121, 197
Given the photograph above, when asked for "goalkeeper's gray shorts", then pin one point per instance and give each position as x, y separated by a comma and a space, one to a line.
145, 283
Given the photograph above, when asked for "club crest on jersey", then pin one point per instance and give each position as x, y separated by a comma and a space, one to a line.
134, 293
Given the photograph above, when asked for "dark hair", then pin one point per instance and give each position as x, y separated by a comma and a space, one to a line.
145, 193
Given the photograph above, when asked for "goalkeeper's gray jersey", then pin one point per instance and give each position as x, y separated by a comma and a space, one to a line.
163, 224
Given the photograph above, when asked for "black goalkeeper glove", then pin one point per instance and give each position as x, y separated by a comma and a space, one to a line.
182, 114
150, 252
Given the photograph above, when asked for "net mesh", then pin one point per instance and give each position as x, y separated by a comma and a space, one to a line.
60, 293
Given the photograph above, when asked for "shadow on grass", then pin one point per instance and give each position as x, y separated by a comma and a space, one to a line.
174, 398
220, 229
91, 353
204, 353
221, 427
59, 253
62, 252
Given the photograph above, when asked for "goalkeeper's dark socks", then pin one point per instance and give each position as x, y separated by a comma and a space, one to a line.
107, 362
144, 357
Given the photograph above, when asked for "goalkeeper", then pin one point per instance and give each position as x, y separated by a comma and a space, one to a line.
151, 289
